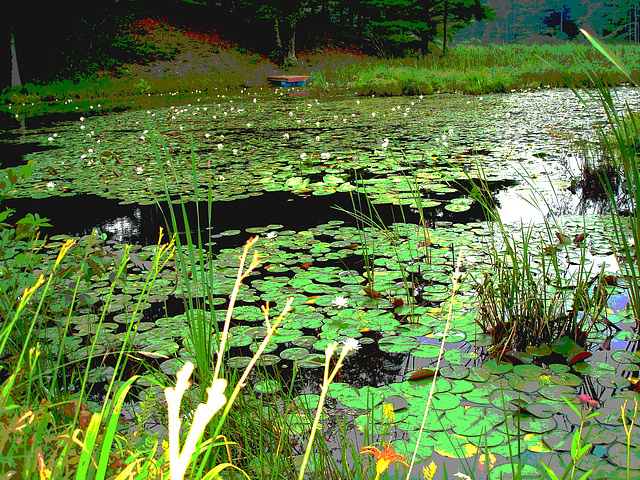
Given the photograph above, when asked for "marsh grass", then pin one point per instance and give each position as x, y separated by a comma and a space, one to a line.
618, 146
466, 68
530, 295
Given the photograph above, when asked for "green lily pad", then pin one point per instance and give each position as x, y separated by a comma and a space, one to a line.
454, 446
618, 455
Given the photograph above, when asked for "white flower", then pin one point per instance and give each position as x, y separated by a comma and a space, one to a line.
248, 124
50, 139
285, 136
219, 146
303, 156
325, 155
139, 169
51, 185
351, 344
234, 151
149, 179
340, 301
207, 135
272, 235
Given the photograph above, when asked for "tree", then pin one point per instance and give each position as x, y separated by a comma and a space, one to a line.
407, 23
559, 20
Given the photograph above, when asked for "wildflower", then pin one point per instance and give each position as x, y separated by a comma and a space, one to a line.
285, 136
207, 135
50, 139
51, 185
384, 458
388, 414
234, 151
303, 156
139, 169
587, 400
219, 146
325, 155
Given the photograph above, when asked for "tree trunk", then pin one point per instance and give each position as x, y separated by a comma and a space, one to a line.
15, 73
285, 30
424, 49
289, 42
5, 78
444, 27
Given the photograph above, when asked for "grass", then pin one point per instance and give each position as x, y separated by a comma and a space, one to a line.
205, 68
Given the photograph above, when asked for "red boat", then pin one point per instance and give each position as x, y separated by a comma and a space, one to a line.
288, 80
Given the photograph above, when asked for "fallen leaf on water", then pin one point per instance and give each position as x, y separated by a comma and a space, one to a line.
579, 357
422, 373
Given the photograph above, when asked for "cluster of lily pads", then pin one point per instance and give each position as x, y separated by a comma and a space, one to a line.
395, 302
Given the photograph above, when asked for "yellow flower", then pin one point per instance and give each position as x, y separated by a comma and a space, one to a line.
384, 458
387, 413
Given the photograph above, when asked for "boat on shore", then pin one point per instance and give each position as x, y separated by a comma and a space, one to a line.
288, 80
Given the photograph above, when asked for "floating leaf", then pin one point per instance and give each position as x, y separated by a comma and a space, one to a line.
579, 357
421, 374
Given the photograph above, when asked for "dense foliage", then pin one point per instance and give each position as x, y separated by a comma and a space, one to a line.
53, 42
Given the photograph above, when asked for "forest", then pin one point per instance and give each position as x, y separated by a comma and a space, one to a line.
57, 41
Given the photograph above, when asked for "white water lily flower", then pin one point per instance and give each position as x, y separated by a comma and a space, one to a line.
51, 185
351, 344
272, 235
340, 301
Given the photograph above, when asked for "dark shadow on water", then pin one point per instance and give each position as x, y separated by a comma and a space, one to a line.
139, 224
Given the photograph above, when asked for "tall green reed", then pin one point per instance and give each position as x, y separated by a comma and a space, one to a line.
620, 144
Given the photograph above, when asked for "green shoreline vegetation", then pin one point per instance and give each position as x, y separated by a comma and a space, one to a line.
467, 68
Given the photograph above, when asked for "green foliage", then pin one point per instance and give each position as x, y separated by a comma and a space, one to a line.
410, 24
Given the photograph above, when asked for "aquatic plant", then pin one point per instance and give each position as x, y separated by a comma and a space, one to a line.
619, 144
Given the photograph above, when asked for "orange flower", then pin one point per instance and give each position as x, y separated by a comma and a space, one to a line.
384, 458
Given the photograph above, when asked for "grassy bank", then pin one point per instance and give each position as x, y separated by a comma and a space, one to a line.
205, 67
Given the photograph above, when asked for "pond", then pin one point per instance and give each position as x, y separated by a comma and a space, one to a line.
363, 209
